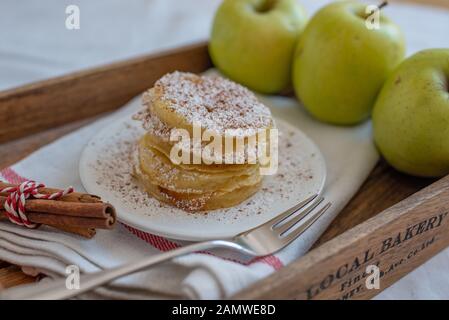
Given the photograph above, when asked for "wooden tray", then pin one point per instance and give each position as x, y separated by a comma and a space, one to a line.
395, 221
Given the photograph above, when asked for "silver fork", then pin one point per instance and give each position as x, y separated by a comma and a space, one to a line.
263, 240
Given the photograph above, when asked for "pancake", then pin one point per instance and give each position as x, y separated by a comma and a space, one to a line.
223, 108
192, 202
181, 99
160, 135
153, 141
175, 178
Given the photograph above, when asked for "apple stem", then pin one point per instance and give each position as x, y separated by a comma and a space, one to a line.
383, 4
267, 5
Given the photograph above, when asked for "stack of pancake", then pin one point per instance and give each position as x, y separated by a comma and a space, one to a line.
180, 101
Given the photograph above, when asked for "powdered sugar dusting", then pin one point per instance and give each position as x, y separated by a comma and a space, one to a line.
153, 125
216, 103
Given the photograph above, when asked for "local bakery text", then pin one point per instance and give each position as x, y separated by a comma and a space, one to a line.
348, 276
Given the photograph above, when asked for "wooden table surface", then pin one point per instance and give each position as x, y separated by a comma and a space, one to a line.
383, 188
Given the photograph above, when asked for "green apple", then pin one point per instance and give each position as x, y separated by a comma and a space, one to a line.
253, 41
340, 64
411, 115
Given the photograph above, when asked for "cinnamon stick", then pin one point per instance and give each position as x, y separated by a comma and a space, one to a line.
79, 213
98, 210
61, 220
81, 231
71, 197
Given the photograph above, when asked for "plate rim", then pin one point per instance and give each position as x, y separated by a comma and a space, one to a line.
133, 220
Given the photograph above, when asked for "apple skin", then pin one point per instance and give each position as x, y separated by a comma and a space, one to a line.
411, 115
256, 48
340, 65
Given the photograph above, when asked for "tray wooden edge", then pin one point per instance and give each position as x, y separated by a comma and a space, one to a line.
50, 103
396, 240
303, 273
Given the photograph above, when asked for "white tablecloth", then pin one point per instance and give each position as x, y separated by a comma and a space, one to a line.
34, 44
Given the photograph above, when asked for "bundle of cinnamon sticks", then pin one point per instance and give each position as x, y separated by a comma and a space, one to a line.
78, 213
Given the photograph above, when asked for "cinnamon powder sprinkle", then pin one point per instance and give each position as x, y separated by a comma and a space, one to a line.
114, 171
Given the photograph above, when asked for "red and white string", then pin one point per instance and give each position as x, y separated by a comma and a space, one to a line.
15, 202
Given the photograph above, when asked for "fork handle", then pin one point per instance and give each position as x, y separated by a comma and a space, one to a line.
57, 289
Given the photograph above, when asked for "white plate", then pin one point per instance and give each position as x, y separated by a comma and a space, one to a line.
106, 164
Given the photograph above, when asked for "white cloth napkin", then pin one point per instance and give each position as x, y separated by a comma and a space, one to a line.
109, 32
350, 157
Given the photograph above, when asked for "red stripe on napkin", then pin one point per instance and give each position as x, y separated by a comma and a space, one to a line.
157, 242
164, 244
11, 176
